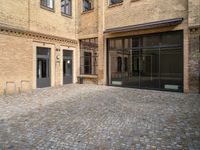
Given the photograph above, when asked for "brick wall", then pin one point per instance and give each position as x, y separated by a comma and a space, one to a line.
143, 11
15, 60
194, 12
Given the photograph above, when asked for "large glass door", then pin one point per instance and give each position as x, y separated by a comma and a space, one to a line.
43, 67
150, 61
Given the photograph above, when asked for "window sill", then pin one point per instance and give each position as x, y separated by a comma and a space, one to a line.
115, 5
134, 0
87, 11
87, 76
66, 15
47, 8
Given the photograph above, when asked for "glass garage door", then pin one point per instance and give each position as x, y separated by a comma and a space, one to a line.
150, 61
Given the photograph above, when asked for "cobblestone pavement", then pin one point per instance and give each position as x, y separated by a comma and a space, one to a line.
99, 117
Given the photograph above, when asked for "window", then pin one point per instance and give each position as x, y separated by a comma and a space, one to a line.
87, 5
115, 1
119, 64
89, 56
87, 62
66, 7
48, 3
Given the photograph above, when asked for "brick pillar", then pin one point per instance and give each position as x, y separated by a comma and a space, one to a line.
194, 60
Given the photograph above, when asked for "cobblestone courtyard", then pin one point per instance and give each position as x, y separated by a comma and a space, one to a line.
99, 117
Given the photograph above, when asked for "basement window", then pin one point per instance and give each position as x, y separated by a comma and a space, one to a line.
66, 7
87, 5
47, 3
113, 2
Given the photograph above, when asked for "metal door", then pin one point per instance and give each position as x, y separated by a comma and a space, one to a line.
67, 67
43, 67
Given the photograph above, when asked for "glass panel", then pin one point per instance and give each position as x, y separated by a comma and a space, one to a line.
171, 69
42, 68
172, 38
149, 69
64, 67
42, 51
119, 64
49, 3
115, 67
135, 42
115, 1
87, 5
69, 67
111, 44
67, 63
127, 44
153, 40
118, 44
87, 63
68, 7
131, 69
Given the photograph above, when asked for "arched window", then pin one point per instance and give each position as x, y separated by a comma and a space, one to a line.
119, 64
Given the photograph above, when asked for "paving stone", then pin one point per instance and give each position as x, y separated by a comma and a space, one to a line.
99, 117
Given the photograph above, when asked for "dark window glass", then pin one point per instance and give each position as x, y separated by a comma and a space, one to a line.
48, 3
87, 5
151, 41
149, 68
171, 69
115, 1
135, 42
66, 7
89, 56
171, 38
87, 63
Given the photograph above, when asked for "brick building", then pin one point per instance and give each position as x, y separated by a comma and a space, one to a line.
148, 44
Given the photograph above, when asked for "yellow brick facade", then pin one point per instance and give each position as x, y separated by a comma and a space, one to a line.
25, 25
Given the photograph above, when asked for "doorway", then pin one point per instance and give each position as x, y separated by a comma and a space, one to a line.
67, 67
43, 67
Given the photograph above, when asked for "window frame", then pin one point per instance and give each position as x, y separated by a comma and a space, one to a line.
64, 13
89, 45
43, 4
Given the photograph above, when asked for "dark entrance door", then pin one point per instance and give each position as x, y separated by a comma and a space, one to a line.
67, 66
43, 67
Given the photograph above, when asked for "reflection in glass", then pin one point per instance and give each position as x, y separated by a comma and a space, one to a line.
149, 61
